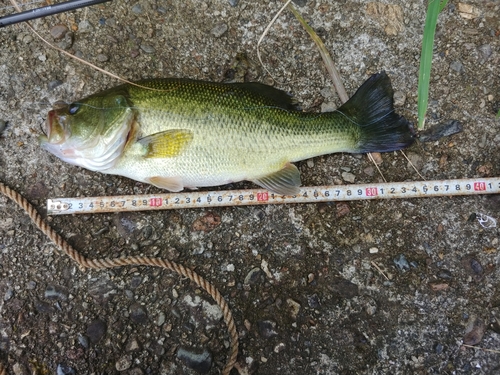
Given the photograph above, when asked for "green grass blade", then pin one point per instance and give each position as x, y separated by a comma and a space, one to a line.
443, 4
426, 59
498, 114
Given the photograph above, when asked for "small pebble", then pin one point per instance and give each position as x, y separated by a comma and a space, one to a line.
85, 27
328, 107
373, 250
377, 157
56, 292
443, 160
294, 307
102, 57
65, 370
161, 319
138, 314
415, 159
444, 274
313, 301
279, 348
438, 348
19, 369
67, 41
267, 329
369, 171
326, 92
255, 276
123, 363
219, 30
439, 286
474, 332
27, 39
401, 263
147, 48
348, 177
53, 84
485, 51
233, 3
146, 232
96, 330
132, 345
457, 66
137, 9
129, 294
399, 98
58, 31
343, 209
310, 277
200, 362
83, 340
476, 267
371, 309
8, 294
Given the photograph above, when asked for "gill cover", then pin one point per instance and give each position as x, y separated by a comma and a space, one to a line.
90, 133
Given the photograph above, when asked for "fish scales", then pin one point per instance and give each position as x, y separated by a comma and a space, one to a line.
241, 135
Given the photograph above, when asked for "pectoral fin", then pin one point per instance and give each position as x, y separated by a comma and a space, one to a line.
286, 181
166, 144
170, 183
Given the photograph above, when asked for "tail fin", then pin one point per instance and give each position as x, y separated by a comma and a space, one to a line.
372, 108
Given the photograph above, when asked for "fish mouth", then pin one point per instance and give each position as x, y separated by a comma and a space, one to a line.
48, 124
54, 131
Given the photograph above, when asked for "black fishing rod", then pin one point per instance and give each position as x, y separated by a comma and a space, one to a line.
47, 11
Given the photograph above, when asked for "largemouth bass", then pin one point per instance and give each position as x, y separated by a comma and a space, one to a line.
189, 134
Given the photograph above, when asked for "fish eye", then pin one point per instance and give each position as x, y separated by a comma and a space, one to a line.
73, 108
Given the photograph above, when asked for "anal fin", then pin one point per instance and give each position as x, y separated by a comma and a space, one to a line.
285, 182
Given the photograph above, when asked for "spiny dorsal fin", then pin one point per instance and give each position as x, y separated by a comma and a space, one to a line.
271, 95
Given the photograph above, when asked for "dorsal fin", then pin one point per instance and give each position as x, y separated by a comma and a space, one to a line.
272, 96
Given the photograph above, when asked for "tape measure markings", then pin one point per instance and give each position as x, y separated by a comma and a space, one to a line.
202, 199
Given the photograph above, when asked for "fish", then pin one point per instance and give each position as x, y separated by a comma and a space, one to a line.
177, 133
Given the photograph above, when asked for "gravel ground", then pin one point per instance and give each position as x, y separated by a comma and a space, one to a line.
368, 287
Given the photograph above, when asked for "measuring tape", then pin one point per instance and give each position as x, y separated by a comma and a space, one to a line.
333, 193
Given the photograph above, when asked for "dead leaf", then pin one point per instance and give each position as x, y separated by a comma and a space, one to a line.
467, 11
